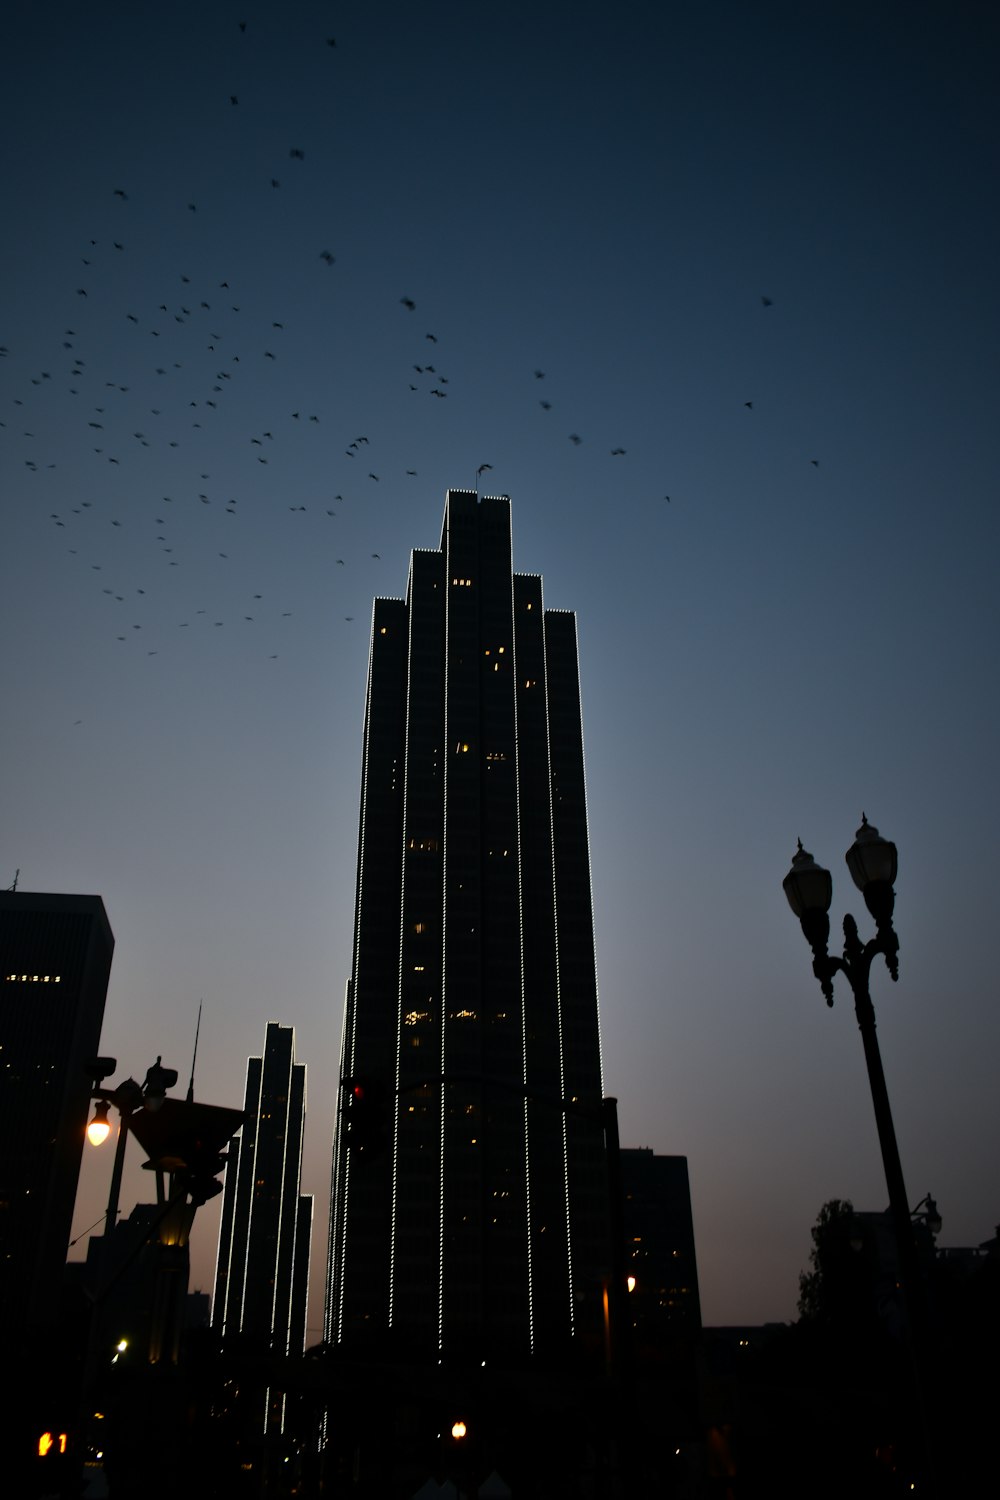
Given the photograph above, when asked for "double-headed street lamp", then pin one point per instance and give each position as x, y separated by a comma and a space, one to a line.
871, 860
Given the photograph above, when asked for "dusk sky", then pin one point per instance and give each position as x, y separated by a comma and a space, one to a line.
755, 247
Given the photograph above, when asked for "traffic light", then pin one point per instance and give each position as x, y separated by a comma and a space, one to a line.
367, 1109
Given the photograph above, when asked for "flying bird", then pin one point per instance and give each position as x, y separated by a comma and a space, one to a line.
575, 439
323, 254
408, 303
767, 301
296, 154
617, 452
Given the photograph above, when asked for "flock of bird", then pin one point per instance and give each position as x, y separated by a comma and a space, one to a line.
147, 377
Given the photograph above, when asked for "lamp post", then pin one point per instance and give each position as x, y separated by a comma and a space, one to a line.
127, 1097
184, 1142
872, 862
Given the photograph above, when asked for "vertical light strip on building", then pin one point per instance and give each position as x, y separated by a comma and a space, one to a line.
590, 876
341, 1262
402, 927
559, 1014
252, 1180
446, 761
520, 938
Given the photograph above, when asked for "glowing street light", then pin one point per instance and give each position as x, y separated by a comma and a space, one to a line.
100, 1126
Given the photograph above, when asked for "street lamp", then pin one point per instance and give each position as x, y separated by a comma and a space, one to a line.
872, 862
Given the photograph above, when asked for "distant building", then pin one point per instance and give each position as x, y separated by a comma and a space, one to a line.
474, 1225
55, 961
262, 1273
659, 1243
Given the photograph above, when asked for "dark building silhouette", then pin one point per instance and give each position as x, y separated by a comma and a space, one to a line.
262, 1273
469, 1215
659, 1244
55, 961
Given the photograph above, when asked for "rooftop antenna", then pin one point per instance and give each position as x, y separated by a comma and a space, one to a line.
14, 886
194, 1059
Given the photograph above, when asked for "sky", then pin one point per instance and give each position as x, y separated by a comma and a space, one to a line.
754, 247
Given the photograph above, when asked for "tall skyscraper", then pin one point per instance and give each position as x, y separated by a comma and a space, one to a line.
55, 961
262, 1273
480, 1229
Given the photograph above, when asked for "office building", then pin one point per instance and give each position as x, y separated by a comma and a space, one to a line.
659, 1245
55, 961
469, 1184
262, 1273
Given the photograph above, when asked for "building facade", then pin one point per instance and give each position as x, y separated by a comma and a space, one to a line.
480, 1227
262, 1272
55, 962
659, 1244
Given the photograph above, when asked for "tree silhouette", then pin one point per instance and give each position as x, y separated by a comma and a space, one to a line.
829, 1292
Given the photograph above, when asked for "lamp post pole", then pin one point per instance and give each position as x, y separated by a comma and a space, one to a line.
872, 862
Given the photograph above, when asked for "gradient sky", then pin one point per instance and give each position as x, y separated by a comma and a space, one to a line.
805, 629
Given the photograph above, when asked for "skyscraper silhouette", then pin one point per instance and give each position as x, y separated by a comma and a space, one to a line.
262, 1273
55, 962
470, 1221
